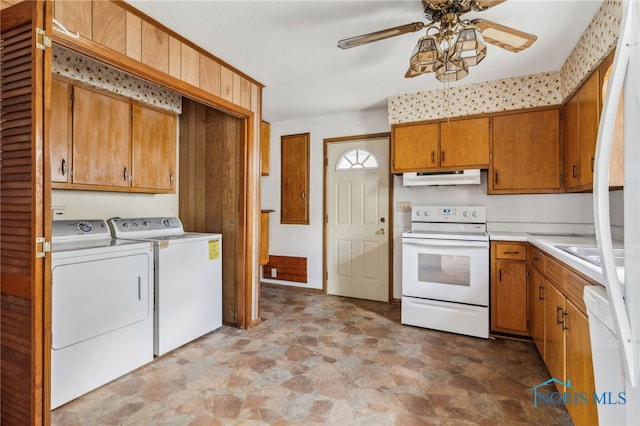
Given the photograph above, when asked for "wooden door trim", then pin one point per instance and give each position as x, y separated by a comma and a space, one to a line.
325, 157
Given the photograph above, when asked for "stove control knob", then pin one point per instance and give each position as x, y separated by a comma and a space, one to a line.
475, 213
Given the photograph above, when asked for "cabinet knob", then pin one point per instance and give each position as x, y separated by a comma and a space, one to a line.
125, 174
171, 177
442, 156
433, 157
63, 167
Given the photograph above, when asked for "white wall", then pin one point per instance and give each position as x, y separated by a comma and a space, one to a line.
306, 240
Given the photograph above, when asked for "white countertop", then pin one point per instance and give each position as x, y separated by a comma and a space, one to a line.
548, 243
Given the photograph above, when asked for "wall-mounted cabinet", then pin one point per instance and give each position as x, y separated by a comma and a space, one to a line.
580, 131
101, 141
294, 190
447, 145
265, 143
526, 153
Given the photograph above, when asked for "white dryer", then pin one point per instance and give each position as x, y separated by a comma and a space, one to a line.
188, 278
102, 307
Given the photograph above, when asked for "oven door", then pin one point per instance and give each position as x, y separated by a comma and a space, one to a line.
446, 270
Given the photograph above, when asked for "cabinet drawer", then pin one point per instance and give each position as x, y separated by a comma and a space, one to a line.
554, 272
536, 259
511, 251
574, 290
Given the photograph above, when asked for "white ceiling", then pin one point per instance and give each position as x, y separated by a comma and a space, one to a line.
290, 46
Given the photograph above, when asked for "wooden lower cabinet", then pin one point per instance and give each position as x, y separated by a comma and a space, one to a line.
579, 367
559, 327
536, 309
509, 288
554, 333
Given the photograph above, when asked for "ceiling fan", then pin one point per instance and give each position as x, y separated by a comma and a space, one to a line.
452, 43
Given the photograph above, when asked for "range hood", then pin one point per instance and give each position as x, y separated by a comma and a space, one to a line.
455, 177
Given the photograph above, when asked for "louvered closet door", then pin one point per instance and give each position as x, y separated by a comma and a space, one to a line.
24, 199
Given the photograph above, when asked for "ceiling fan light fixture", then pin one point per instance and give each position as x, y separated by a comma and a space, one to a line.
451, 72
469, 48
427, 56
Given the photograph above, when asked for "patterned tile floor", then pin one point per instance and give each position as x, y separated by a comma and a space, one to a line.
326, 360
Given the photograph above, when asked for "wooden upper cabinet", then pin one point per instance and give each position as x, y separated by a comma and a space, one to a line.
465, 143
153, 148
60, 139
101, 141
294, 191
571, 142
101, 138
588, 120
265, 138
447, 145
414, 147
526, 153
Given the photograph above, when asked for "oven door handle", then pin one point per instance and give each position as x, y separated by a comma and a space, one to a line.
427, 242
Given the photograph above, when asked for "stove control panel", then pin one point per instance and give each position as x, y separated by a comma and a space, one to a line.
456, 214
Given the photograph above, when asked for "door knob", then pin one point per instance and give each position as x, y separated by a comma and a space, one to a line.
382, 220
381, 231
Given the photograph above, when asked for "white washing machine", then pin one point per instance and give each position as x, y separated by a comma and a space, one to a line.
188, 278
102, 307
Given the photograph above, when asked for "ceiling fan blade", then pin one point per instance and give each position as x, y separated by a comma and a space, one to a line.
505, 37
486, 4
380, 35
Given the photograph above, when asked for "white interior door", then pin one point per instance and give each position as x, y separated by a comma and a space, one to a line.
357, 219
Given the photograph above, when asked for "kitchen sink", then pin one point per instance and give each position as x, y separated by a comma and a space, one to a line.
590, 254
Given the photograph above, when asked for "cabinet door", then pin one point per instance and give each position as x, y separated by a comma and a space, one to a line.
580, 365
153, 149
464, 143
294, 190
571, 143
526, 153
60, 137
536, 309
554, 305
589, 115
265, 138
101, 139
414, 148
509, 294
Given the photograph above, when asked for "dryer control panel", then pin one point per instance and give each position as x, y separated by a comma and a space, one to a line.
62, 230
145, 227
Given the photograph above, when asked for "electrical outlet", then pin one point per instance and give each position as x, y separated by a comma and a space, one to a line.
403, 206
274, 273
58, 212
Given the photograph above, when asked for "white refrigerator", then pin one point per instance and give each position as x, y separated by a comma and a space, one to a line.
614, 312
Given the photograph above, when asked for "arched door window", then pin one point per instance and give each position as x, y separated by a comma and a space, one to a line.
357, 159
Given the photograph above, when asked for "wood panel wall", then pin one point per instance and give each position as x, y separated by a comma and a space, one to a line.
122, 29
211, 180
